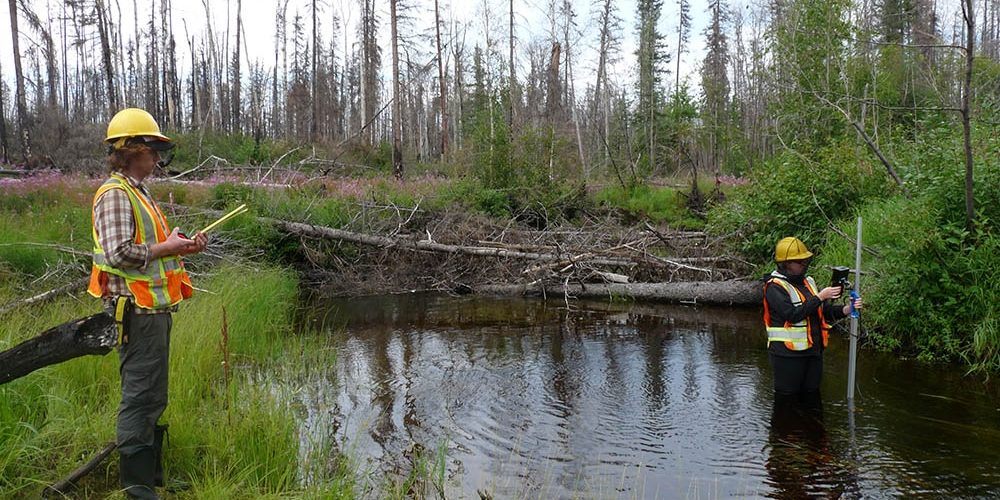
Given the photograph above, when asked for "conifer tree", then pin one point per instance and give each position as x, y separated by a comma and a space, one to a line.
652, 57
715, 81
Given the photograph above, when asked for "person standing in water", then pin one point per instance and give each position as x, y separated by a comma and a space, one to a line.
796, 315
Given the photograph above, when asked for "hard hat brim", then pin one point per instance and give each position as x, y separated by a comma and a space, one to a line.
161, 137
160, 145
802, 256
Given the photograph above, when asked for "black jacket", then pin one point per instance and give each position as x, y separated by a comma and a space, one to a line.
780, 310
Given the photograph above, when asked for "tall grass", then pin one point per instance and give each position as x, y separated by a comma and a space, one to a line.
659, 204
51, 420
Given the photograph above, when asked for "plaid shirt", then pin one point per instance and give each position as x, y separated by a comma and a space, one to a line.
115, 225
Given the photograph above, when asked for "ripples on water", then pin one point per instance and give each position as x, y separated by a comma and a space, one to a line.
533, 400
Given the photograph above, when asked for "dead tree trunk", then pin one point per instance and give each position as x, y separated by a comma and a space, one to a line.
397, 103
442, 98
313, 77
605, 257
95, 334
109, 73
236, 104
23, 121
968, 13
512, 81
3, 125
43, 297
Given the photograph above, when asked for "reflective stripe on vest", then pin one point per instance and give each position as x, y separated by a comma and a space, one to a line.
163, 282
794, 335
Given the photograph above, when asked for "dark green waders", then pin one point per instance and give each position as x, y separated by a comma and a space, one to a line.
143, 365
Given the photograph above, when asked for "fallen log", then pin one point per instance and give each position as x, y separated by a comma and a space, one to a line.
68, 484
730, 293
42, 297
95, 334
14, 173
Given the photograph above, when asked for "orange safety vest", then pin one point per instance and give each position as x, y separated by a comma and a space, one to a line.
794, 335
162, 283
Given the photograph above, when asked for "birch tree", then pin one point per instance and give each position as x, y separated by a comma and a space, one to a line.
442, 97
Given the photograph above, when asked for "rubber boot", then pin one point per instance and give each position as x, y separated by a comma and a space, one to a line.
137, 471
159, 434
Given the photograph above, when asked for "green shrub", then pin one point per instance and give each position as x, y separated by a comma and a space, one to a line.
658, 204
493, 202
194, 147
229, 194
793, 195
932, 286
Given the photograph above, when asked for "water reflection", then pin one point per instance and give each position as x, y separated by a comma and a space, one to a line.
628, 401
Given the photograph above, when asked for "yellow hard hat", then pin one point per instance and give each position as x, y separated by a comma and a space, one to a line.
133, 122
791, 248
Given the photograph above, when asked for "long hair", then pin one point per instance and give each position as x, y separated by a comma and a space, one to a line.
119, 159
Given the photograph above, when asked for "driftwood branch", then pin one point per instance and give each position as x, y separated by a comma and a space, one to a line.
741, 293
95, 334
61, 248
214, 158
15, 173
429, 245
42, 297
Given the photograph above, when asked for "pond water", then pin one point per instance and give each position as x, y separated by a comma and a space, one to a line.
531, 399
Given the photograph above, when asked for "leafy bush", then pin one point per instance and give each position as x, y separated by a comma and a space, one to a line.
238, 149
659, 204
793, 195
932, 287
228, 194
493, 202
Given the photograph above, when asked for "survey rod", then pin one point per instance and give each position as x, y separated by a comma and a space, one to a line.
852, 363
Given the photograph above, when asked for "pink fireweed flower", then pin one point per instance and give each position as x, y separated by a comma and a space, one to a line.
730, 180
59, 185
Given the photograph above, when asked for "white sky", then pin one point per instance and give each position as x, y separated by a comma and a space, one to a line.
259, 19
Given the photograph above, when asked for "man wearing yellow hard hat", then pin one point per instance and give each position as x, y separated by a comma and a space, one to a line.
796, 315
138, 273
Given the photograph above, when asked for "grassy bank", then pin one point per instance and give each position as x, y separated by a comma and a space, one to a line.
240, 436
228, 439
234, 437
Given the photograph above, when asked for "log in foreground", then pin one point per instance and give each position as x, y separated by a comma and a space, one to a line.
79, 284
730, 293
67, 484
95, 334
